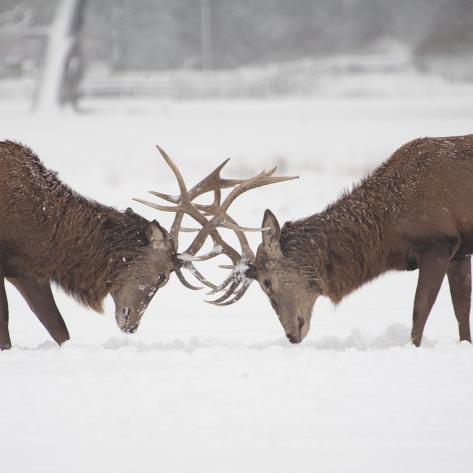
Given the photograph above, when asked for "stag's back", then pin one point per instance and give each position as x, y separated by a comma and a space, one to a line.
27, 188
34, 204
433, 178
426, 184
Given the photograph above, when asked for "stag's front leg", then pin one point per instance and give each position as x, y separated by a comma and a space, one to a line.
432, 269
5, 342
459, 279
40, 298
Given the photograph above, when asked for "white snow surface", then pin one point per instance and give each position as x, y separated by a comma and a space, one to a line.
207, 389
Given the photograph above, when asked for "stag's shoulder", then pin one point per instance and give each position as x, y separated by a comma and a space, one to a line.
14, 151
430, 150
21, 161
28, 169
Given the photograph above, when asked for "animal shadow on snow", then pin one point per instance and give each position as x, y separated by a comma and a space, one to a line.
396, 335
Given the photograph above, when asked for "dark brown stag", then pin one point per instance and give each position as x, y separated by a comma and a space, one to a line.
49, 233
413, 212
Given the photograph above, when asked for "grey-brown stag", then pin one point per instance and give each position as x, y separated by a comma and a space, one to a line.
415, 211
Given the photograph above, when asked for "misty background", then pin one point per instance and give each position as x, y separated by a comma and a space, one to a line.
214, 48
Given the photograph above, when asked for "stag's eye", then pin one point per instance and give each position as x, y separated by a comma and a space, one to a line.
313, 285
268, 284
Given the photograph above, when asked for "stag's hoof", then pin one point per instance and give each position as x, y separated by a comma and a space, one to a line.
63, 340
5, 346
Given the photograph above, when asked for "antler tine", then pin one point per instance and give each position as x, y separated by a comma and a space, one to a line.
239, 294
193, 270
167, 197
238, 228
175, 227
163, 208
233, 287
262, 179
213, 182
247, 252
223, 284
183, 280
206, 184
177, 173
215, 251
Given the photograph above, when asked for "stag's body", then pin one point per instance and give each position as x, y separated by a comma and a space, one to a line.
413, 212
49, 233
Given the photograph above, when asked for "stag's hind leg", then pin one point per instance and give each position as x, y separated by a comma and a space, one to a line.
459, 279
432, 268
5, 343
40, 298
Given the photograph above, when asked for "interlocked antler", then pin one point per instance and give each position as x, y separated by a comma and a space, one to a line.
237, 283
184, 205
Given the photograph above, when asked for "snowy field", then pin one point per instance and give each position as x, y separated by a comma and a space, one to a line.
204, 389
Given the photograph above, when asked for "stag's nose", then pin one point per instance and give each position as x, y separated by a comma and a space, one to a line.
130, 328
297, 337
293, 338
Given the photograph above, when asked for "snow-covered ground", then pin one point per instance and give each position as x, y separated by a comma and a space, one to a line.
204, 389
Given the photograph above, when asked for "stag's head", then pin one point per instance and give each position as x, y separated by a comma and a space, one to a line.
143, 276
291, 291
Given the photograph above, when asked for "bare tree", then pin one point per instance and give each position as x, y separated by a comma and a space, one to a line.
63, 65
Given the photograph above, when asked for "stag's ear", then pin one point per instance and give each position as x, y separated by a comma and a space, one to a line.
271, 236
157, 236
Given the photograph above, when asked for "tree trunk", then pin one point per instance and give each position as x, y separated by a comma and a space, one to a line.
62, 68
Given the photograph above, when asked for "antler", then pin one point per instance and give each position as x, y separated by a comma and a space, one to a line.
185, 206
237, 283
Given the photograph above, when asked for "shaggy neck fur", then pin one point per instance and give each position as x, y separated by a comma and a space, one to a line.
346, 245
92, 247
